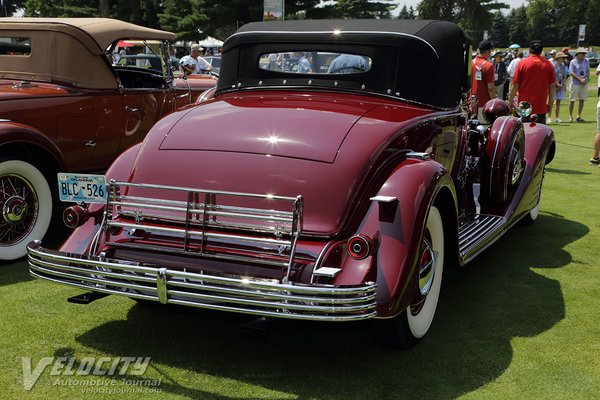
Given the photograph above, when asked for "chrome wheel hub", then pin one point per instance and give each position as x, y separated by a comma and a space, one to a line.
18, 205
517, 168
426, 268
14, 210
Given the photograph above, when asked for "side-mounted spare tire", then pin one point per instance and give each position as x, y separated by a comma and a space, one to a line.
502, 161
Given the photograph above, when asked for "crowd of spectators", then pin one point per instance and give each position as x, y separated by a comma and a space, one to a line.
542, 79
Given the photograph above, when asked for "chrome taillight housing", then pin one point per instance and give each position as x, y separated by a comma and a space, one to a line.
359, 247
75, 216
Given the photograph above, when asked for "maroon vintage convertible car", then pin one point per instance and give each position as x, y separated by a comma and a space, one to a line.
326, 180
64, 106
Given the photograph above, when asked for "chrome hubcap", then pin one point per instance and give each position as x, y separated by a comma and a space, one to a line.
517, 168
426, 268
18, 204
14, 210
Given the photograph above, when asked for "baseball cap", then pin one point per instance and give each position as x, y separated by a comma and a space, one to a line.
536, 46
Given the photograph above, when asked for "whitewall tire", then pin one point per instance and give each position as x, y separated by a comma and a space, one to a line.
409, 327
25, 207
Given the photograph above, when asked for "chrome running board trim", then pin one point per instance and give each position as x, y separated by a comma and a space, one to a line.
476, 232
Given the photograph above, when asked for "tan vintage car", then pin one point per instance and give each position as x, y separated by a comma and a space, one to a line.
67, 105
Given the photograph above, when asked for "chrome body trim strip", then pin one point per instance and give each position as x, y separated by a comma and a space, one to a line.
501, 131
419, 155
342, 32
384, 199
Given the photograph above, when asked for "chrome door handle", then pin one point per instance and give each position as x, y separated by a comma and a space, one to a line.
91, 144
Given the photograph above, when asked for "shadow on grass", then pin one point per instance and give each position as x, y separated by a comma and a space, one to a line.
483, 306
16, 271
567, 171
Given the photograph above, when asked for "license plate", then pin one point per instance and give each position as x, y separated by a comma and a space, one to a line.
82, 188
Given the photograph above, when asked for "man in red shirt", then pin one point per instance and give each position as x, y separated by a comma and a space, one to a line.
482, 75
534, 80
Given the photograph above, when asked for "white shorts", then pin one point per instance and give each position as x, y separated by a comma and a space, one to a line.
598, 117
578, 92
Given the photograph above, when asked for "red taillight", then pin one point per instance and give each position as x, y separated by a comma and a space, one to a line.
359, 247
75, 216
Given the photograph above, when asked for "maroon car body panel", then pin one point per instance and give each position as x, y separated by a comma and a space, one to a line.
328, 168
354, 161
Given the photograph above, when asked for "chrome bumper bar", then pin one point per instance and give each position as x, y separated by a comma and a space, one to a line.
270, 298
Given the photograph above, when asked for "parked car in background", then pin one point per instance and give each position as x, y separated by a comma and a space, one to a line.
593, 58
65, 107
340, 195
149, 61
215, 62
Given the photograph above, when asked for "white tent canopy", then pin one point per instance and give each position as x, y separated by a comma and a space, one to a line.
211, 42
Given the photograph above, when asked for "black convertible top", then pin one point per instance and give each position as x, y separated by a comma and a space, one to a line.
420, 60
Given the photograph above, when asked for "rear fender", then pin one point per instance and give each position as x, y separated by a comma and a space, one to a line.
14, 133
540, 148
396, 229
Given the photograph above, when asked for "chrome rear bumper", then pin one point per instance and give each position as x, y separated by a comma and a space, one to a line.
270, 298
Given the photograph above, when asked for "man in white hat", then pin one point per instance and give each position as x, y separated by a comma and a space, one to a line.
580, 72
194, 63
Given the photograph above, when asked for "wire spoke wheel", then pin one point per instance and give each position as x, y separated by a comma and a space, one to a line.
19, 204
25, 207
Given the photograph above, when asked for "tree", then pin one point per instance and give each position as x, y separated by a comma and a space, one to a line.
407, 13
569, 15
64, 8
473, 16
184, 18
301, 9
358, 9
223, 21
500, 30
9, 7
142, 12
104, 6
541, 21
445, 10
517, 22
592, 16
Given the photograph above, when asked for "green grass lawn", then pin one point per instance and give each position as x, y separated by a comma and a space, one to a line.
520, 322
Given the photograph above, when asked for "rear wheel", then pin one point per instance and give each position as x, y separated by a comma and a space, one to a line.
25, 207
408, 328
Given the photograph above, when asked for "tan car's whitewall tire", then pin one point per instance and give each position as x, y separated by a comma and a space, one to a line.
25, 207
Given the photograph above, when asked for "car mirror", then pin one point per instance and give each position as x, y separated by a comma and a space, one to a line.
524, 109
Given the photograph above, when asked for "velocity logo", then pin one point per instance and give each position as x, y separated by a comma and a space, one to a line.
88, 366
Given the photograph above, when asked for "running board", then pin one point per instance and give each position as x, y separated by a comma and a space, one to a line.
476, 232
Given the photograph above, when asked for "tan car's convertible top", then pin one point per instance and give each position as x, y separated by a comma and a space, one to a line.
69, 50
